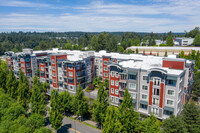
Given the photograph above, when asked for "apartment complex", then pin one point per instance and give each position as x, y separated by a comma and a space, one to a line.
159, 85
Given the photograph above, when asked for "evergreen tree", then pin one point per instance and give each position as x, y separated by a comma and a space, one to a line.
137, 51
80, 103
112, 123
182, 54
37, 98
56, 112
128, 117
196, 40
191, 117
174, 125
3, 74
165, 53
170, 41
150, 125
11, 84
23, 91
100, 107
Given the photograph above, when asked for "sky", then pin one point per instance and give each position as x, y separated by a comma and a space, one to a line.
99, 15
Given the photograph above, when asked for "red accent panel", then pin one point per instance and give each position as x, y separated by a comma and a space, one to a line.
150, 92
162, 85
185, 88
54, 71
174, 64
71, 70
183, 99
61, 56
105, 59
113, 86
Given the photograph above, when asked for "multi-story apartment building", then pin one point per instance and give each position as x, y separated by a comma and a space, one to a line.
159, 85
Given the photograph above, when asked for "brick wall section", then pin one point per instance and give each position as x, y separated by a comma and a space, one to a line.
174, 64
162, 85
150, 92
114, 78
105, 59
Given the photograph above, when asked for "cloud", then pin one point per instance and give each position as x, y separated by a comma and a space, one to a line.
162, 16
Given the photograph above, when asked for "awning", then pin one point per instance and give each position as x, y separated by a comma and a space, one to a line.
144, 102
171, 78
169, 109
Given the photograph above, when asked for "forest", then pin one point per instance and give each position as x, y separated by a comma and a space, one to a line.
110, 41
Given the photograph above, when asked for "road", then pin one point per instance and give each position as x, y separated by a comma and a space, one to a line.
72, 126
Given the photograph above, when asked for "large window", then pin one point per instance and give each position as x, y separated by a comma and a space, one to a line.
132, 86
116, 99
71, 74
132, 77
144, 87
78, 67
78, 73
27, 59
116, 91
156, 91
71, 81
144, 96
112, 82
28, 65
170, 102
166, 112
133, 95
116, 75
53, 61
116, 83
42, 68
171, 82
112, 74
170, 92
54, 68
155, 101
112, 90
154, 111
105, 62
112, 99
105, 69
143, 106
145, 77
156, 81
105, 74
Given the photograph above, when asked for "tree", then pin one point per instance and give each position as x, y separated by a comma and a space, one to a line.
111, 123
100, 107
80, 103
170, 41
35, 121
182, 54
137, 51
43, 130
11, 84
191, 117
196, 87
174, 125
66, 101
106, 84
120, 49
196, 41
150, 125
56, 110
165, 53
37, 98
23, 91
3, 75
128, 117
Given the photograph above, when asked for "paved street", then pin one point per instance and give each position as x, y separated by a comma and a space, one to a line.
72, 126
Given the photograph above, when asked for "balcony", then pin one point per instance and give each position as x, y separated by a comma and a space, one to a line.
122, 81
121, 89
121, 95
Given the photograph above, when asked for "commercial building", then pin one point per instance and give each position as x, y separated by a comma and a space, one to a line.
159, 85
183, 41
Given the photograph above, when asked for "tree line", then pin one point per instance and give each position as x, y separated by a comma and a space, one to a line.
110, 41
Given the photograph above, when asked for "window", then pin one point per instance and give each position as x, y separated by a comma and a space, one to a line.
105, 74
144, 96
116, 83
78, 73
132, 77
54, 68
143, 106
53, 61
105, 69
132, 86
28, 65
154, 111
166, 112
54, 81
156, 91
78, 67
145, 87
155, 101
133, 95
54, 74
60, 78
112, 90
71, 74
170, 102
116, 91
112, 99
116, 99
170, 92
112, 74
171, 82
145, 77
27, 59
42, 68
71, 81
112, 82
70, 66
116, 75
105, 62
71, 87
156, 81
